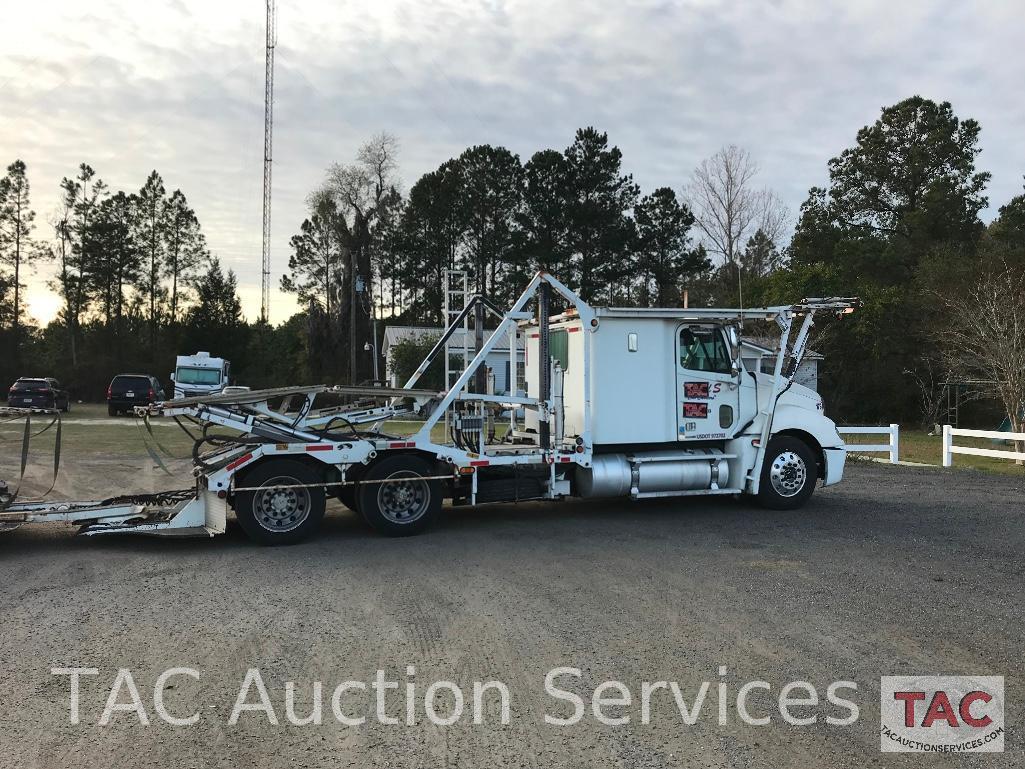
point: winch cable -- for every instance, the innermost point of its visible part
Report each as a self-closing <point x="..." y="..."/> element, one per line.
<point x="26" y="440"/>
<point x="184" y="429"/>
<point x="354" y="432"/>
<point x="149" y="429"/>
<point x="149" y="449"/>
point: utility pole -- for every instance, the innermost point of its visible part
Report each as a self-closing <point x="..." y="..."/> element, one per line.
<point x="268" y="134"/>
<point x="353" y="295"/>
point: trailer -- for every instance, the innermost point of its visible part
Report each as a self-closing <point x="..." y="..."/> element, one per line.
<point x="617" y="402"/>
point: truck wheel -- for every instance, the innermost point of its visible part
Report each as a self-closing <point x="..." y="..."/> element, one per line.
<point x="788" y="474"/>
<point x="280" y="516"/>
<point x="405" y="505"/>
<point x="347" y="495"/>
<point x="111" y="411"/>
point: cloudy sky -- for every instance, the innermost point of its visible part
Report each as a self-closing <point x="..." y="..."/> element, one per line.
<point x="130" y="86"/>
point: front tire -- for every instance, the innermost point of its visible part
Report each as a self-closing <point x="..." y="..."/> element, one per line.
<point x="407" y="504"/>
<point x="280" y="516"/>
<point x="788" y="474"/>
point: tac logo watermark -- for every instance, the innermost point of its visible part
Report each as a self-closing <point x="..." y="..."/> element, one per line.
<point x="941" y="714"/>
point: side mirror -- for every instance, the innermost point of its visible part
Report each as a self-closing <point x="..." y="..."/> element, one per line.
<point x="733" y="337"/>
<point x="172" y="376"/>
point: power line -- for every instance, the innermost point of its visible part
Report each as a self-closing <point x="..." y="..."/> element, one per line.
<point x="268" y="135"/>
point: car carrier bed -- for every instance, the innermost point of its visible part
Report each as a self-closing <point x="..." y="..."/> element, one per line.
<point x="699" y="427"/>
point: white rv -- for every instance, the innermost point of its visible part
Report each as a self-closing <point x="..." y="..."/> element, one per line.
<point x="200" y="374"/>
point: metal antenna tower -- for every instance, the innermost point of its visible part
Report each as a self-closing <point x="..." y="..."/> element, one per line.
<point x="268" y="137"/>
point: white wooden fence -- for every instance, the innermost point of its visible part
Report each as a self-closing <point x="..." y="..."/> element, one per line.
<point x="949" y="449"/>
<point x="891" y="447"/>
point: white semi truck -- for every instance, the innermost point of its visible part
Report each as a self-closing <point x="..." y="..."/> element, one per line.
<point x="632" y="403"/>
<point x="200" y="374"/>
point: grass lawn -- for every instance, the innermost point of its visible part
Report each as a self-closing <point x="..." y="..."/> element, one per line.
<point x="918" y="446"/>
<point x="89" y="432"/>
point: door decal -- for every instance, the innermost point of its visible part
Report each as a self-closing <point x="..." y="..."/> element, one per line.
<point x="695" y="410"/>
<point x="695" y="389"/>
<point x="701" y="389"/>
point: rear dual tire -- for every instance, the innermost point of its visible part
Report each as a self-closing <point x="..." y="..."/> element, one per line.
<point x="290" y="508"/>
<point x="406" y="503"/>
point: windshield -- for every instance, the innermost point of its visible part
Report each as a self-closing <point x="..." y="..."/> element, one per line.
<point x="197" y="376"/>
<point x="31" y="384"/>
<point x="130" y="383"/>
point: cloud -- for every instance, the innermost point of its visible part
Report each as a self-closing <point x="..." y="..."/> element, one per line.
<point x="129" y="87"/>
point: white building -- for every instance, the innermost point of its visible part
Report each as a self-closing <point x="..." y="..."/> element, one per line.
<point x="759" y="354"/>
<point x="497" y="360"/>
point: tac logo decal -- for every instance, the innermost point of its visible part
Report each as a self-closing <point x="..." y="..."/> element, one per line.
<point x="941" y="714"/>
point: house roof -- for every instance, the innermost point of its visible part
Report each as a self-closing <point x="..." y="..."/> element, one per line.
<point x="769" y="346"/>
<point x="396" y="334"/>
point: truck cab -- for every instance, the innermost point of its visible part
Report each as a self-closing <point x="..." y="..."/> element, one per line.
<point x="200" y="374"/>
<point x="673" y="410"/>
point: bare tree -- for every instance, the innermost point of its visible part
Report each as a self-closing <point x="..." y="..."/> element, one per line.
<point x="365" y="193"/>
<point x="724" y="200"/>
<point x="773" y="216"/>
<point x="984" y="338"/>
<point x="933" y="378"/>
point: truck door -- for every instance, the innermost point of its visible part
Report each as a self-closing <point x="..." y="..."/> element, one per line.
<point x="707" y="392"/>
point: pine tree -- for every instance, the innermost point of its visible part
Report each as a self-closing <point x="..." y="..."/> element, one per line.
<point x="17" y="248"/>
<point x="118" y="256"/>
<point x="215" y="321"/>
<point x="601" y="232"/>
<point x="316" y="264"/>
<point x="545" y="219"/>
<point x="152" y="237"/>
<point x="489" y="198"/>
<point x="184" y="248"/>
<point x="426" y="239"/>
<point x="76" y="247"/>
<point x="665" y="260"/>
<point x="760" y="255"/>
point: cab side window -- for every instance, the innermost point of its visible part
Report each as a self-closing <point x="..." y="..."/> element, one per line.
<point x="704" y="349"/>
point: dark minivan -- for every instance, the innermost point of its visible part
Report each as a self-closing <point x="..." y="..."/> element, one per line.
<point x="129" y="390"/>
<point x="38" y="393"/>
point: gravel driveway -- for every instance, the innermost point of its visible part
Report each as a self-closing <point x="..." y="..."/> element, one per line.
<point x="895" y="571"/>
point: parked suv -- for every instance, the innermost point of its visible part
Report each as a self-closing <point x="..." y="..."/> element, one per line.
<point x="40" y="393"/>
<point x="129" y="390"/>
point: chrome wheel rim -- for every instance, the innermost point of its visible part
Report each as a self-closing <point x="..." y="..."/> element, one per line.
<point x="405" y="498"/>
<point x="788" y="474"/>
<point x="280" y="510"/>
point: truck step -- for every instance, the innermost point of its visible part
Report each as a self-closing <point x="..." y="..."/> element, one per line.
<point x="510" y="489"/>
<point x="685" y="493"/>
